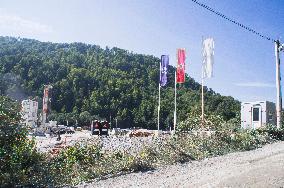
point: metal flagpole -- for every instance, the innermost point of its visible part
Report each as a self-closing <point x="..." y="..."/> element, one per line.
<point x="202" y="91"/>
<point x="175" y="112"/>
<point x="159" y="107"/>
<point x="159" y="100"/>
<point x="202" y="99"/>
<point x="278" y="89"/>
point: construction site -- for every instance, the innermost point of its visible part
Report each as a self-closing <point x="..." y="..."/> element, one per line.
<point x="51" y="137"/>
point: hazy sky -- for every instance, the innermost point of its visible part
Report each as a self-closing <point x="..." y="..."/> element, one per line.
<point x="244" y="63"/>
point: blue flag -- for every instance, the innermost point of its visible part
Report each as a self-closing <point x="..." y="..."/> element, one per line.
<point x="164" y="69"/>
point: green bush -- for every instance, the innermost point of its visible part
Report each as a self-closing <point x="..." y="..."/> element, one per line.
<point x="193" y="122"/>
<point x="273" y="132"/>
<point x="83" y="162"/>
<point x="19" y="161"/>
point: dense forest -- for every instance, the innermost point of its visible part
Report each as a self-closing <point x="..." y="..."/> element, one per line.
<point x="91" y="82"/>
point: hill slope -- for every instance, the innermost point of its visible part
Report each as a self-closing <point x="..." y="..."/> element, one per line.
<point x="90" y="81"/>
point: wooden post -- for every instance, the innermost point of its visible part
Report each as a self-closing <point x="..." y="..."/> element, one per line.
<point x="175" y="112"/>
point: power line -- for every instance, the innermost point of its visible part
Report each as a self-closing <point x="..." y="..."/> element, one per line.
<point x="233" y="21"/>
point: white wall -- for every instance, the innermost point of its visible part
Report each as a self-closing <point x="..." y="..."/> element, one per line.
<point x="267" y="110"/>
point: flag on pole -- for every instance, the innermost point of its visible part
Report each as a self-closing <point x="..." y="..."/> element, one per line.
<point x="164" y="69"/>
<point x="208" y="58"/>
<point x="180" y="66"/>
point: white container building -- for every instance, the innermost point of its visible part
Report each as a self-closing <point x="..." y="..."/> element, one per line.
<point x="257" y="114"/>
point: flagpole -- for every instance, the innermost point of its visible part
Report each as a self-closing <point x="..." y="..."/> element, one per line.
<point x="202" y="91"/>
<point x="159" y="108"/>
<point x="159" y="100"/>
<point x="202" y="100"/>
<point x="175" y="112"/>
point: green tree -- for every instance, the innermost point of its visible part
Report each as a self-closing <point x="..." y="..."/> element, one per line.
<point x="85" y="118"/>
<point x="18" y="156"/>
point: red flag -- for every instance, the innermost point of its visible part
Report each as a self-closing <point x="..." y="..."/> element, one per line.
<point x="180" y="66"/>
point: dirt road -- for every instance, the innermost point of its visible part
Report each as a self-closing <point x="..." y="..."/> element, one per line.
<point x="263" y="167"/>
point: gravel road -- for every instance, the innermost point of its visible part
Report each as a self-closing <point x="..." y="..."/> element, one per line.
<point x="263" y="167"/>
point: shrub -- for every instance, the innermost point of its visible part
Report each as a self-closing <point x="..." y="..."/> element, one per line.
<point x="193" y="122"/>
<point x="273" y="132"/>
<point x="19" y="161"/>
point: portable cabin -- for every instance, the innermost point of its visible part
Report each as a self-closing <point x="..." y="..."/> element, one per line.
<point x="257" y="114"/>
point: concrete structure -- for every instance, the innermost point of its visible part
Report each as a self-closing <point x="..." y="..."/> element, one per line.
<point x="29" y="113"/>
<point x="257" y="114"/>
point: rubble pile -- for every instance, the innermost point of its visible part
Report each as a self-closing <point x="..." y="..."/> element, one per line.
<point x="129" y="143"/>
<point x="140" y="133"/>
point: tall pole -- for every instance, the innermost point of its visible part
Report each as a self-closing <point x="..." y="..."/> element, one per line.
<point x="202" y="99"/>
<point x="159" y="99"/>
<point x="202" y="86"/>
<point x="159" y="107"/>
<point x="175" y="112"/>
<point x="278" y="85"/>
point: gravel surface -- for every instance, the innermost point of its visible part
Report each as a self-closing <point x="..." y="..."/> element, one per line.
<point x="44" y="144"/>
<point x="110" y="143"/>
<point x="263" y="167"/>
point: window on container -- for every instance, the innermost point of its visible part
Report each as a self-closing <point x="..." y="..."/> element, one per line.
<point x="255" y="116"/>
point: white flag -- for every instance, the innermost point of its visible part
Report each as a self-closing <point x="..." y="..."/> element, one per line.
<point x="208" y="58"/>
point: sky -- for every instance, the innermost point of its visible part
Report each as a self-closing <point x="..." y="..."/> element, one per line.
<point x="244" y="62"/>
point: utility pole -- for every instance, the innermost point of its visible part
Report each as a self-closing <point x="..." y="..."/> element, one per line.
<point x="278" y="48"/>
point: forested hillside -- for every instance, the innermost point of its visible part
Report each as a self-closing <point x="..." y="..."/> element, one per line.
<point x="90" y="82"/>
